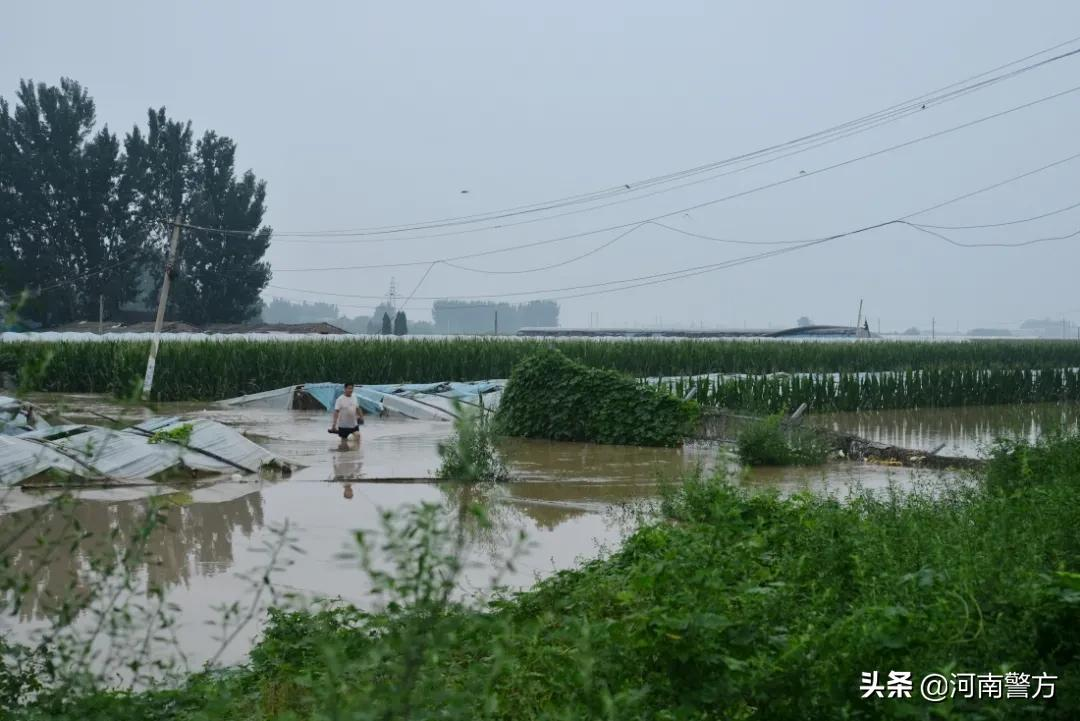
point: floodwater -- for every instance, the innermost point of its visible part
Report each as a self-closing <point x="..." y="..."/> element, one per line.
<point x="212" y="545"/>
<point x="964" y="431"/>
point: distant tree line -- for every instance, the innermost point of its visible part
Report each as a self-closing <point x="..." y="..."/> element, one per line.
<point x="85" y="213"/>
<point x="452" y="316"/>
<point x="386" y="320"/>
<point x="449" y="317"/>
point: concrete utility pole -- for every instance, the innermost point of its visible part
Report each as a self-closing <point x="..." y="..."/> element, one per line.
<point x="496" y="321"/>
<point x="933" y="329"/>
<point x="101" y="314"/>
<point x="163" y="299"/>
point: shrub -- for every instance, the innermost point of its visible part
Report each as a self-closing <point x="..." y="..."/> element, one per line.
<point x="470" y="453"/>
<point x="1019" y="463"/>
<point x="767" y="443"/>
<point x="550" y="396"/>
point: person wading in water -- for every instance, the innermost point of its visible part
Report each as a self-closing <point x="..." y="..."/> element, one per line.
<point x="348" y="416"/>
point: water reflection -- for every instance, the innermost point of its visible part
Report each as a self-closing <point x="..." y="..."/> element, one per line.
<point x="51" y="549"/>
<point x="964" y="431"/>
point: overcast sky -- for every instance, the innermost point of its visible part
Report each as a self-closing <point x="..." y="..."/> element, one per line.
<point x="361" y="114"/>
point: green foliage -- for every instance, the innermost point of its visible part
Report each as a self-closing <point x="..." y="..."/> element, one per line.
<point x="927" y="388"/>
<point x="1017" y="464"/>
<point x="401" y="324"/>
<point x="550" y="396"/>
<point x="767" y="443"/>
<point x="181" y="435"/>
<point x="921" y="374"/>
<point x="85" y="205"/>
<point x="387" y="328"/>
<point x="470" y="453"/>
<point x="735" y="605"/>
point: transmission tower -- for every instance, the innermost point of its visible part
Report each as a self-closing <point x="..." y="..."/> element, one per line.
<point x="392" y="294"/>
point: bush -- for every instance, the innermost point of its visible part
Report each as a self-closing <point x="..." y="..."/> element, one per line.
<point x="550" y="396"/>
<point x="767" y="443"/>
<point x="470" y="453"/>
<point x="1018" y="463"/>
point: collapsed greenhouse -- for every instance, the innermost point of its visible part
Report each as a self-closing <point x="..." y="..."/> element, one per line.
<point x="34" y="452"/>
<point x="417" y="401"/>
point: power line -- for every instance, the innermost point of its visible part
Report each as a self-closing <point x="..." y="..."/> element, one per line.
<point x="732" y="196"/>
<point x="697" y="270"/>
<point x="550" y="266"/>
<point x="89" y="274"/>
<point x="893" y="112"/>
<point x="1021" y="244"/>
<point x="1002" y="224"/>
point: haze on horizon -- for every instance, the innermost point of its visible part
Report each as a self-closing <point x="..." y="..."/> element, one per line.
<point x="362" y="114"/>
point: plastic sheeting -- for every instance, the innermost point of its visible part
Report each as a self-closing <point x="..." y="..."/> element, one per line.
<point x="93" y="452"/>
<point x="23" y="460"/>
<point x="420" y="401"/>
<point x="218" y="439"/>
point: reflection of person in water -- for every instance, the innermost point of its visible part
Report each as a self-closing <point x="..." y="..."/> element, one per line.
<point x="348" y="491"/>
<point x="346" y="466"/>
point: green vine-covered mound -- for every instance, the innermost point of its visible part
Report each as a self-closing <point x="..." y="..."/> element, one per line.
<point x="550" y="396"/>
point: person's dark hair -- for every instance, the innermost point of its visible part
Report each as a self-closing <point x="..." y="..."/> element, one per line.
<point x="348" y="385"/>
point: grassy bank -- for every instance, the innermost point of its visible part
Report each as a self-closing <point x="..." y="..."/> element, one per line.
<point x="731" y="606"/>
<point x="219" y="369"/>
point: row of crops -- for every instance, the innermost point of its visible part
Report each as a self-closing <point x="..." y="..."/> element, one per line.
<point x="203" y="371"/>
<point x="935" y="387"/>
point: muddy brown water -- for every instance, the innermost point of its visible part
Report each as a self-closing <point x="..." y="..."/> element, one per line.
<point x="570" y="501"/>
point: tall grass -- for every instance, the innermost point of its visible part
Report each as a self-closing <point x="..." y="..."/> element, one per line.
<point x="208" y="370"/>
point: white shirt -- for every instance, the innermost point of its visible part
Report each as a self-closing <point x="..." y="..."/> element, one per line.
<point x="347" y="407"/>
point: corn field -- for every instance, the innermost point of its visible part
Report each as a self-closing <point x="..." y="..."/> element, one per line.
<point x="224" y="368"/>
<point x="935" y="387"/>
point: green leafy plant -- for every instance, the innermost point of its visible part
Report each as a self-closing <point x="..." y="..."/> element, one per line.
<point x="470" y="453"/>
<point x="767" y="442"/>
<point x="180" y="435"/>
<point x="847" y="376"/>
<point x="550" y="396"/>
<point x="1017" y="464"/>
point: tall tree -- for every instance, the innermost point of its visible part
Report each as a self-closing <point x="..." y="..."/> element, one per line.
<point x="386" y="329"/>
<point x="84" y="217"/>
<point x="401" y="325"/>
<point x="222" y="273"/>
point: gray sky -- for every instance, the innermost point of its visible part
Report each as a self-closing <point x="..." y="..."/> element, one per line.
<point x="361" y="114"/>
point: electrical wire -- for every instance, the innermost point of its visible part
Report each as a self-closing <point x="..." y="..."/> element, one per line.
<point x="696" y="270"/>
<point x="1021" y="244"/>
<point x="1002" y="224"/>
<point x="84" y="276"/>
<point x="736" y="195"/>
<point x="550" y="266"/>
<point x="872" y="120"/>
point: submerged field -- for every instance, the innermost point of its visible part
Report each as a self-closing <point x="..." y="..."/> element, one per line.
<point x="728" y="605"/>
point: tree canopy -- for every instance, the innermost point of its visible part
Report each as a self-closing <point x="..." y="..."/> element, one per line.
<point x="85" y="215"/>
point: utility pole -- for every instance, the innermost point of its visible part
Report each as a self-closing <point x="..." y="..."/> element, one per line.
<point x="101" y="313"/>
<point x="933" y="329"/>
<point x="163" y="299"/>
<point x="496" y="321"/>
